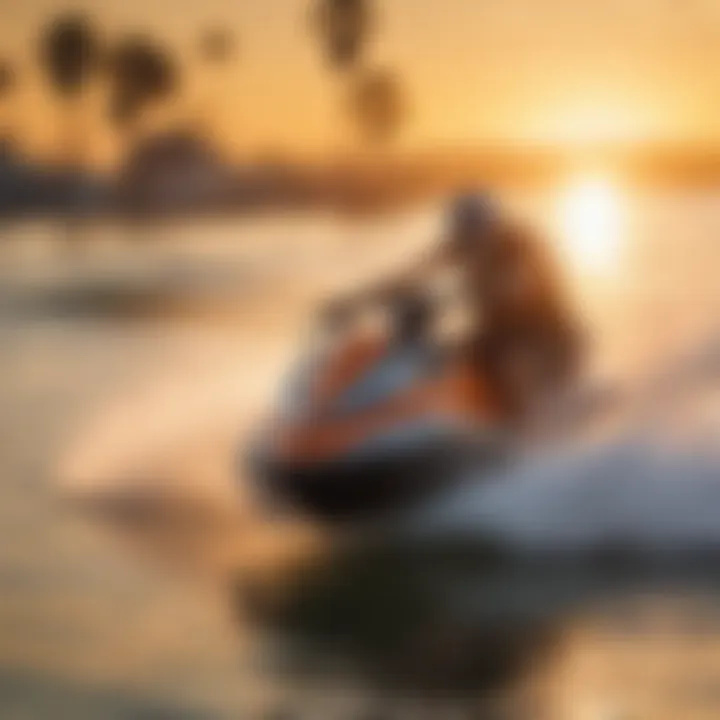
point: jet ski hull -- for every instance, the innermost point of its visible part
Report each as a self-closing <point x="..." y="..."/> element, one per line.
<point x="373" y="428"/>
<point x="352" y="488"/>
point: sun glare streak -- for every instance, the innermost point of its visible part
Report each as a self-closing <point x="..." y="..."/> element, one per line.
<point x="592" y="218"/>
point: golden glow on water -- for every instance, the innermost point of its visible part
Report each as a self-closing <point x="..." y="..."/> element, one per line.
<point x="592" y="216"/>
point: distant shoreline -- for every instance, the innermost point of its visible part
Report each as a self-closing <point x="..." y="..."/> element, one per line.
<point x="178" y="175"/>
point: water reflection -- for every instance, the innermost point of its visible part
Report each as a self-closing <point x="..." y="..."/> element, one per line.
<point x="454" y="629"/>
<point x="410" y="622"/>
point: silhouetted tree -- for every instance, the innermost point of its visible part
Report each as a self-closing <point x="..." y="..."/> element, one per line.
<point x="344" y="28"/>
<point x="70" y="52"/>
<point x="377" y="106"/>
<point x="217" y="47"/>
<point x="141" y="73"/>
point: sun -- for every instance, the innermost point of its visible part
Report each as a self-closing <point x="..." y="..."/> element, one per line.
<point x="592" y="219"/>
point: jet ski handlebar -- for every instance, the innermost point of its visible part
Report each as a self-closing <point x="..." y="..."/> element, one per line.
<point x="409" y="313"/>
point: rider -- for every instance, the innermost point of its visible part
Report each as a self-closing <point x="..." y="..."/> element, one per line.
<point x="524" y="339"/>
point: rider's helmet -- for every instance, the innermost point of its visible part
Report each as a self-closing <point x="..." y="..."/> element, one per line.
<point x="471" y="215"/>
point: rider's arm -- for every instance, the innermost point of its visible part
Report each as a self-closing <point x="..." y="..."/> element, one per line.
<point x="404" y="282"/>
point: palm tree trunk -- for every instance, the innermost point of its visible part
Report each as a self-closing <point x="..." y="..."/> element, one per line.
<point x="73" y="161"/>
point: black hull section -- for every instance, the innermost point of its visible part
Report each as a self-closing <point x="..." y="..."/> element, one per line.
<point x="361" y="488"/>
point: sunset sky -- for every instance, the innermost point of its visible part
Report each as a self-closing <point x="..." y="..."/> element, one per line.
<point x="476" y="71"/>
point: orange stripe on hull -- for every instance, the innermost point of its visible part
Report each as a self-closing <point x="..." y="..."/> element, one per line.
<point x="459" y="392"/>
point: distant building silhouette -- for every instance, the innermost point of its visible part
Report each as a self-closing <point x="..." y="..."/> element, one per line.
<point x="180" y="172"/>
<point x="175" y="171"/>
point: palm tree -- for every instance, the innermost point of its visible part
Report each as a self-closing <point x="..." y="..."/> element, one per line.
<point x="70" y="52"/>
<point x="142" y="73"/>
<point x="344" y="28"/>
<point x="217" y="47"/>
<point x="377" y="106"/>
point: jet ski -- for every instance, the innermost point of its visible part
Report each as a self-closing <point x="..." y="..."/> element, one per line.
<point x="374" y="419"/>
